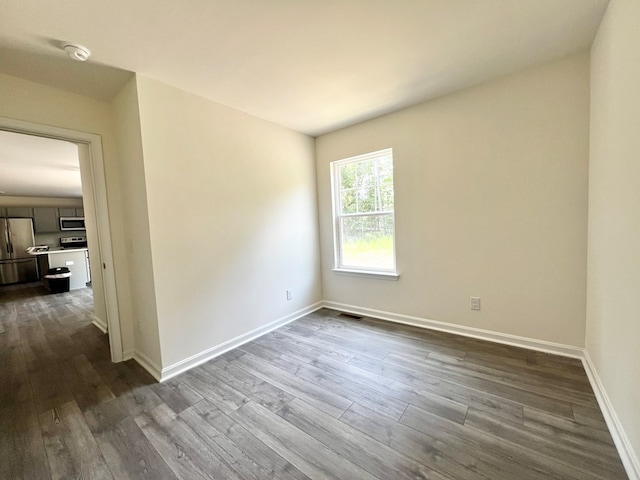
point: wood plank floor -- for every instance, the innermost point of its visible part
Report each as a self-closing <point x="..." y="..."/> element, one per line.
<point x="324" y="397"/>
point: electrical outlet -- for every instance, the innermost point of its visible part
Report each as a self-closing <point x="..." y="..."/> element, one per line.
<point x="289" y="294"/>
<point x="475" y="303"/>
<point x="68" y="263"/>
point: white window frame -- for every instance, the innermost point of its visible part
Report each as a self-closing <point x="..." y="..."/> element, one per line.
<point x="390" y="273"/>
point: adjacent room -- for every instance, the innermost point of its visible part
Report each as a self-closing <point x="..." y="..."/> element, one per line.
<point x="325" y="239"/>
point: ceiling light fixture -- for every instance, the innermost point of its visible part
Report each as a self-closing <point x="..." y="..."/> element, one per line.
<point x="76" y="51"/>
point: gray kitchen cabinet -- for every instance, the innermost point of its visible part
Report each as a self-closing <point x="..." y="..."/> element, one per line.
<point x="71" y="212"/>
<point x="45" y="220"/>
<point x="67" y="212"/>
<point x="3" y="211"/>
<point x="19" y="212"/>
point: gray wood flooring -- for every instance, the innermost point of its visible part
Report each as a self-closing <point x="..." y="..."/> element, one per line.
<point x="324" y="397"/>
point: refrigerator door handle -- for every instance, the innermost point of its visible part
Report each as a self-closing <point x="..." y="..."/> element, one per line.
<point x="7" y="240"/>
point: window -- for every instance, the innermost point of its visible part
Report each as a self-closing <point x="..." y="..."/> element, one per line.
<point x="363" y="213"/>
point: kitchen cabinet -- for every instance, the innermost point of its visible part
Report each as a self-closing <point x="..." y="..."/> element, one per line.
<point x="71" y="212"/>
<point x="67" y="212"/>
<point x="3" y="212"/>
<point x="45" y="220"/>
<point x="19" y="212"/>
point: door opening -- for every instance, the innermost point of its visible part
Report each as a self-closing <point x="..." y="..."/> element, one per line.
<point x="96" y="215"/>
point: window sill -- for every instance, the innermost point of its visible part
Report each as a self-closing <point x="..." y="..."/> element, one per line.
<point x="367" y="273"/>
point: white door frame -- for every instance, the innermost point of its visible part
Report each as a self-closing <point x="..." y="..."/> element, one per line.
<point x="98" y="190"/>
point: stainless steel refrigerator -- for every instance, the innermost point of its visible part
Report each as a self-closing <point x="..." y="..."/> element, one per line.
<point x="16" y="265"/>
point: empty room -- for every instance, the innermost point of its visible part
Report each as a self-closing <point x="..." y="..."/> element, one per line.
<point x="337" y="239"/>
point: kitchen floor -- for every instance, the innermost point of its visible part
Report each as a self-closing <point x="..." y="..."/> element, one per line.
<point x="326" y="396"/>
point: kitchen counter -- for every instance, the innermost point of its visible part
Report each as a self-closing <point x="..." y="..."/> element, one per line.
<point x="75" y="259"/>
<point x="60" y="250"/>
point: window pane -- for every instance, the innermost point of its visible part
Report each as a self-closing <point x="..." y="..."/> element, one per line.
<point x="347" y="176"/>
<point x="367" y="242"/>
<point x="366" y="186"/>
<point x="385" y="175"/>
<point x="366" y="196"/>
<point x="348" y="201"/>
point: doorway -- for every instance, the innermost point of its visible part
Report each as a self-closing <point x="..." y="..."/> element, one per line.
<point x="96" y="218"/>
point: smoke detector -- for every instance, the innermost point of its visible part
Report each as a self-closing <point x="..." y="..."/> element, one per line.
<point x="76" y="51"/>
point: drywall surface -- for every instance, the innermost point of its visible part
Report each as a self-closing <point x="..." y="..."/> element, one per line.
<point x="491" y="201"/>
<point x="36" y="103"/>
<point x="136" y="221"/>
<point x="232" y="217"/>
<point x="613" y="292"/>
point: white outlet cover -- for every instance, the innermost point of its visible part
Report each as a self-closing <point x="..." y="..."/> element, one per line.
<point x="69" y="262"/>
<point x="474" y="303"/>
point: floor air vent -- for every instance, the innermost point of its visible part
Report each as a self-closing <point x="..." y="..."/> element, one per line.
<point x="350" y="315"/>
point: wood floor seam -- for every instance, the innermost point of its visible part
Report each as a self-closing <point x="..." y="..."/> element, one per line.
<point x="323" y="397"/>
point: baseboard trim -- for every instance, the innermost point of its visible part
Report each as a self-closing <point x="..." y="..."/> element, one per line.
<point x="148" y="364"/>
<point x="202" y="357"/>
<point x="496" y="337"/>
<point x="625" y="449"/>
<point x="100" y="324"/>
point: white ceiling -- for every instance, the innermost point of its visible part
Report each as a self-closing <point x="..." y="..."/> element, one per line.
<point x="33" y="166"/>
<point x="310" y="65"/>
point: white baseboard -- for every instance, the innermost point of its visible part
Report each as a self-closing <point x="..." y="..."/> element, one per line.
<point x="202" y="357"/>
<point x="496" y="337"/>
<point x="625" y="449"/>
<point x="148" y="364"/>
<point x="100" y="324"/>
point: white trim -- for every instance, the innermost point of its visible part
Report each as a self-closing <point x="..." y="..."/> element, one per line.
<point x="89" y="148"/>
<point x="128" y="355"/>
<point x="367" y="273"/>
<point x="364" y="157"/>
<point x="148" y="364"/>
<point x="91" y="152"/>
<point x="100" y="324"/>
<point x="496" y="337"/>
<point x="367" y="214"/>
<point x="210" y="353"/>
<point x="620" y="439"/>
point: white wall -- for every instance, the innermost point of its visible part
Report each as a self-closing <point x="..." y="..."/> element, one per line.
<point x="491" y="201"/>
<point x="36" y="103"/>
<point x="613" y="292"/>
<point x="139" y="266"/>
<point x="232" y="217"/>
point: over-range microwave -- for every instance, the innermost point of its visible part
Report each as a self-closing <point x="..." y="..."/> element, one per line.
<point x="72" y="223"/>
